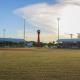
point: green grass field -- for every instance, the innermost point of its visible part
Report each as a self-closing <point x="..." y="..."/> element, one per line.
<point x="40" y="64"/>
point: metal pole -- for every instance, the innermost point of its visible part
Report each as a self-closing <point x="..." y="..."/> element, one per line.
<point x="24" y="32"/>
<point x="58" y="29"/>
<point x="24" y="29"/>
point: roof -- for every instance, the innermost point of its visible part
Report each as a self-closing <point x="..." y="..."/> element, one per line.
<point x="11" y="40"/>
<point x="69" y="40"/>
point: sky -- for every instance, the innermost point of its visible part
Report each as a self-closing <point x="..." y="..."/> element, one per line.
<point x="39" y="14"/>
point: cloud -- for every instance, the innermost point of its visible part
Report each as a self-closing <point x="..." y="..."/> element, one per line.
<point x="73" y="2"/>
<point x="40" y="15"/>
<point x="44" y="16"/>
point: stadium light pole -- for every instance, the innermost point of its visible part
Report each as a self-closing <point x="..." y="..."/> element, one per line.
<point x="58" y="19"/>
<point x="24" y="32"/>
<point x="24" y="29"/>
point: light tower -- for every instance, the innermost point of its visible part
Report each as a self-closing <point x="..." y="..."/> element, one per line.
<point x="24" y="28"/>
<point x="58" y="19"/>
<point x="58" y="26"/>
<point x="38" y="39"/>
<point x="24" y="31"/>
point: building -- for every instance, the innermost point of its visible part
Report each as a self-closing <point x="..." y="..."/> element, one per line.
<point x="68" y="43"/>
<point x="11" y="42"/>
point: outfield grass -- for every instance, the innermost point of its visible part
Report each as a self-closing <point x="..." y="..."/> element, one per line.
<point x="40" y="64"/>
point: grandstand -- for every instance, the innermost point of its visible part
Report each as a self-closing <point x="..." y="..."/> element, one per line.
<point x="11" y="42"/>
<point x="69" y="43"/>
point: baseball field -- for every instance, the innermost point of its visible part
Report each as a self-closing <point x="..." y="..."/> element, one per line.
<point x="39" y="64"/>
